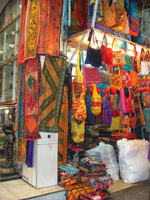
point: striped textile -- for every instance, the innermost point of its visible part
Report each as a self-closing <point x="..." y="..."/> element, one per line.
<point x="52" y="82"/>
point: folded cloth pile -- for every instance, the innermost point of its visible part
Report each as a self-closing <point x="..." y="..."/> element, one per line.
<point x="93" y="171"/>
<point x="64" y="178"/>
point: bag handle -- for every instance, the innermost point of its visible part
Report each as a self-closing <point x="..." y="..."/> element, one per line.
<point x="104" y="41"/>
<point x="92" y="35"/>
<point x="115" y="44"/>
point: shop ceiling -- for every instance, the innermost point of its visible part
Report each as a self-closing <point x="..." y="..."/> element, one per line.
<point x="2" y="4"/>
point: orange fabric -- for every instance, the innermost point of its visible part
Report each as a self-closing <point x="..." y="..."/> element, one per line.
<point x="50" y="19"/>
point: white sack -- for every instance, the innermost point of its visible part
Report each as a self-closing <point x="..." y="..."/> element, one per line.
<point x="106" y="153"/>
<point x="133" y="162"/>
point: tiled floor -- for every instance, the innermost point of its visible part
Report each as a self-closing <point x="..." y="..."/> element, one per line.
<point x="19" y="189"/>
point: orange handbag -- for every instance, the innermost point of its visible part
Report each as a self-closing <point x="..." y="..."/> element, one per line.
<point x="121" y="16"/>
<point x="109" y="14"/>
<point x="116" y="79"/>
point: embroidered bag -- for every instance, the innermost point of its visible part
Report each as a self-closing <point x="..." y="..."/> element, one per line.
<point x="126" y="79"/>
<point x="116" y="79"/>
<point x="109" y="14"/>
<point x="96" y="101"/>
<point x="78" y="80"/>
<point x="105" y="77"/>
<point x="134" y="81"/>
<point x="107" y="56"/>
<point x="120" y="17"/>
<point x="129" y="63"/>
<point x="118" y="56"/>
<point x="134" y="18"/>
<point x="93" y="56"/>
<point x="143" y="85"/>
<point x="78" y="104"/>
<point x="126" y="29"/>
<point x="91" y="75"/>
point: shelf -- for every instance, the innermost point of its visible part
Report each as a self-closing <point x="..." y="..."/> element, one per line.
<point x="74" y="40"/>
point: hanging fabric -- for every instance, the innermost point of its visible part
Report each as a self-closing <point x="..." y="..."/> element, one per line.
<point x="32" y="74"/>
<point x="63" y="129"/>
<point x="52" y="82"/>
<point x="20" y="103"/>
<point x="50" y="20"/>
<point x="40" y="30"/>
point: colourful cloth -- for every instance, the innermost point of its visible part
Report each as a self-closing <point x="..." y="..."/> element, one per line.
<point x="21" y="57"/>
<point x="52" y="82"/>
<point x="32" y="73"/>
<point x="63" y="129"/>
<point x="32" y="28"/>
<point x="50" y="18"/>
<point x="40" y="29"/>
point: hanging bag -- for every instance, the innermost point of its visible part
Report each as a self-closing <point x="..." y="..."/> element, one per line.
<point x="121" y="15"/>
<point x="91" y="75"/>
<point x="78" y="80"/>
<point x="118" y="56"/>
<point x="78" y="104"/>
<point x="129" y="63"/>
<point x="126" y="78"/>
<point x="109" y="13"/>
<point x="134" y="19"/>
<point x="105" y="77"/>
<point x="96" y="102"/>
<point x="94" y="55"/>
<point x="107" y="56"/>
<point x="115" y="78"/>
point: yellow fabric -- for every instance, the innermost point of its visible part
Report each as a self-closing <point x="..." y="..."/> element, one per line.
<point x="77" y="130"/>
<point x="115" y="123"/>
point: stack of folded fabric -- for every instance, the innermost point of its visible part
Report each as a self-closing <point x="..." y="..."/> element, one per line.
<point x="93" y="171"/>
<point x="67" y="174"/>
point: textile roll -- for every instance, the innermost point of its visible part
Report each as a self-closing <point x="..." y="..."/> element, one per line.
<point x="52" y="82"/>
